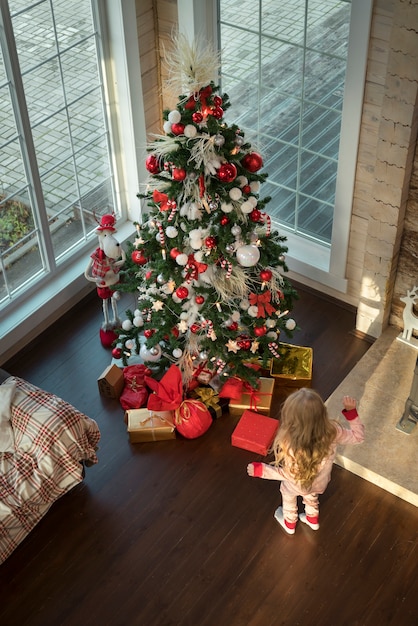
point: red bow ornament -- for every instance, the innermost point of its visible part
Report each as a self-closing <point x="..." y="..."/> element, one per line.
<point x="262" y="301"/>
<point x="163" y="200"/>
<point x="194" y="268"/>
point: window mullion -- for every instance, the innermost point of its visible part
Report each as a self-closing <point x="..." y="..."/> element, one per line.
<point x="18" y="99"/>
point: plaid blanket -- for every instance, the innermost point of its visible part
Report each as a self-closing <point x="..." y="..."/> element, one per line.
<point x="52" y="439"/>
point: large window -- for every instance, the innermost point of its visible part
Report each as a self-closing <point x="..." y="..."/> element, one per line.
<point x="57" y="173"/>
<point x="286" y="67"/>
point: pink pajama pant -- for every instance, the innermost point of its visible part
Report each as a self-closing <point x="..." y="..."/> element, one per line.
<point x="290" y="503"/>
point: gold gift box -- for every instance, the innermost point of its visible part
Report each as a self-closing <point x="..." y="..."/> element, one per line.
<point x="259" y="400"/>
<point x="294" y="368"/>
<point x="143" y="425"/>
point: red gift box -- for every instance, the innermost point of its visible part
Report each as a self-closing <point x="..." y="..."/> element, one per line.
<point x="255" y="432"/>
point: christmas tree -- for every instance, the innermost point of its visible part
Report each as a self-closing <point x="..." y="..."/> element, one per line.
<point x="206" y="263"/>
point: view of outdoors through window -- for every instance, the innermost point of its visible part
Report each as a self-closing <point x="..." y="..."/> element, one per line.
<point x="56" y="170"/>
<point x="283" y="67"/>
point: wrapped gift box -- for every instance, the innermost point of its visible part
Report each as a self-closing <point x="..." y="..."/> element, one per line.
<point x="111" y="382"/>
<point x="255" y="432"/>
<point x="294" y="367"/>
<point x="211" y="400"/>
<point x="144" y="425"/>
<point x="258" y="400"/>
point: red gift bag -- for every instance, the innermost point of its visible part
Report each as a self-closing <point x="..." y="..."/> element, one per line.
<point x="135" y="393"/>
<point x="192" y="419"/>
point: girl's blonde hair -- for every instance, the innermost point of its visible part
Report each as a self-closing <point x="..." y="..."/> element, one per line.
<point x="305" y="436"/>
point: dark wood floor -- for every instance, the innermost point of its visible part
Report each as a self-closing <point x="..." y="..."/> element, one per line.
<point x="176" y="533"/>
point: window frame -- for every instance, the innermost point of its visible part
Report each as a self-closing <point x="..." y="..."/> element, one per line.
<point x="306" y="259"/>
<point x="64" y="285"/>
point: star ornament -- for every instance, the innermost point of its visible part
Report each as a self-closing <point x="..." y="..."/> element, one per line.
<point x="232" y="346"/>
<point x="182" y="326"/>
<point x="254" y="346"/>
<point x="158" y="305"/>
<point x="139" y="241"/>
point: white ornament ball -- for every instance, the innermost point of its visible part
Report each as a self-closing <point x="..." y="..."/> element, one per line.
<point x="196" y="244"/>
<point x="171" y="232"/>
<point x="181" y="259"/>
<point x="248" y="256"/>
<point x="190" y="131"/>
<point x="272" y="335"/>
<point x="244" y="304"/>
<point x="270" y="323"/>
<point x="236" y="230"/>
<point x="177" y="352"/>
<point x="174" y="117"/>
<point x="252" y="311"/>
<point x="241" y="181"/>
<point x="253" y="201"/>
<point x="246" y="207"/>
<point x="290" y="324"/>
<point x="236" y="316"/>
<point x="219" y="140"/>
<point x="255" y="186"/>
<point x="198" y="256"/>
<point x="184" y="315"/>
<point x="167" y="127"/>
<point x="150" y="354"/>
<point x="235" y="193"/>
<point x="138" y="321"/>
<point x="126" y="325"/>
<point x="226" y="207"/>
<point x="129" y="344"/>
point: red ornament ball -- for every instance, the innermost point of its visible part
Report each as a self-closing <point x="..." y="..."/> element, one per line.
<point x="148" y="332"/>
<point x="199" y="299"/>
<point x="217" y="113"/>
<point x="217" y="101"/>
<point x="233" y="326"/>
<point x="224" y="220"/>
<point x="197" y="117"/>
<point x="178" y="173"/>
<point x="194" y="328"/>
<point x="210" y="242"/>
<point x="246" y="189"/>
<point x="266" y="275"/>
<point x="177" y="129"/>
<point x="175" y="331"/>
<point x="227" y="172"/>
<point x="117" y="353"/>
<point x="259" y="331"/>
<point x="174" y="252"/>
<point x="182" y="292"/>
<point x="148" y="275"/>
<point x="252" y="162"/>
<point x="138" y="257"/>
<point x="152" y="164"/>
<point x="244" y="344"/>
<point x="255" y="215"/>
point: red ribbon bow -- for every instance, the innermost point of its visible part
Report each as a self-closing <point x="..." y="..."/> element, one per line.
<point x="163" y="200"/>
<point x="194" y="268"/>
<point x="262" y="301"/>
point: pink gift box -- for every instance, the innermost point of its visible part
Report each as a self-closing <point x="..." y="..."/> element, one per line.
<point x="255" y="432"/>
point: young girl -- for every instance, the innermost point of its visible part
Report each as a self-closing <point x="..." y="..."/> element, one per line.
<point x="304" y="450"/>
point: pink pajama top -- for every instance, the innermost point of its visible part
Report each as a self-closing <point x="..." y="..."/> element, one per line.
<point x="352" y="435"/>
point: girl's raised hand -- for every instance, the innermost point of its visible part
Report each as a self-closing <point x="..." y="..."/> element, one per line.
<point x="349" y="403"/>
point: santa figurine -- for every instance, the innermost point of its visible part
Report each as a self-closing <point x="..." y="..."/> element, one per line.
<point x="103" y="269"/>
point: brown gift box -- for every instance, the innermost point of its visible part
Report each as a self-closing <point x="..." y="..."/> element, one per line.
<point x="111" y="382"/>
<point x="294" y="368"/>
<point x="144" y="425"/>
<point x="258" y="400"/>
